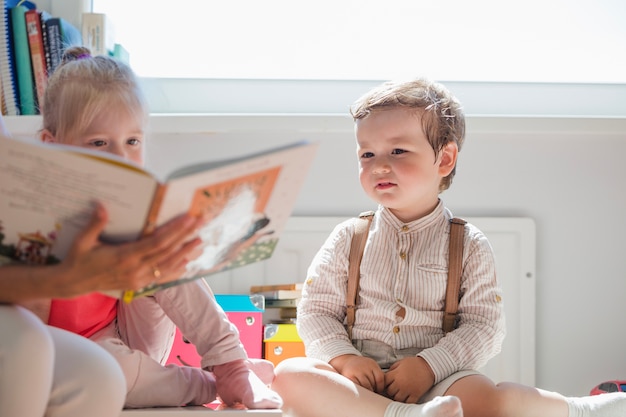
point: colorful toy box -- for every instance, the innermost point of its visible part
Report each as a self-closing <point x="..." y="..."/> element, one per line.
<point x="281" y="341"/>
<point x="245" y="312"/>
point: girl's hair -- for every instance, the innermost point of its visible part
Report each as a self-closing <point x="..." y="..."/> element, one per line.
<point x="442" y="117"/>
<point x="84" y="86"/>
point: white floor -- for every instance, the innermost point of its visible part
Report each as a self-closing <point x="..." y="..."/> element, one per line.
<point x="197" y="411"/>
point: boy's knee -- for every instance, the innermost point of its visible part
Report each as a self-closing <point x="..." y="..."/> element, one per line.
<point x="295" y="365"/>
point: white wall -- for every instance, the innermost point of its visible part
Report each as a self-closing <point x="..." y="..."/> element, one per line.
<point x="565" y="173"/>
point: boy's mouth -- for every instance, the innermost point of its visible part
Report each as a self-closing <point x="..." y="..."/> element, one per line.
<point x="384" y="185"/>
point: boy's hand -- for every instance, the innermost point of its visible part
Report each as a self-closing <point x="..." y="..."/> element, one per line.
<point x="408" y="380"/>
<point x="360" y="370"/>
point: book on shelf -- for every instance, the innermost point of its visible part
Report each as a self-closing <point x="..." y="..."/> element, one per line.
<point x="23" y="66"/>
<point x="8" y="77"/>
<point x="53" y="41"/>
<point x="279" y="294"/>
<point x="286" y="303"/>
<point x="98" y="33"/>
<point x="274" y="287"/>
<point x="37" y="54"/>
<point x="47" y="195"/>
<point x="70" y="34"/>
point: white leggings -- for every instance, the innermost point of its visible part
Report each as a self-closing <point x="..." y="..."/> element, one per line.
<point x="45" y="371"/>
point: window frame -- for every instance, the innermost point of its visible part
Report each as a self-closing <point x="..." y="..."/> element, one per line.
<point x="249" y="96"/>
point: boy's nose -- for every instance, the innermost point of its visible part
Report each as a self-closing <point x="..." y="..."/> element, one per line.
<point x="382" y="168"/>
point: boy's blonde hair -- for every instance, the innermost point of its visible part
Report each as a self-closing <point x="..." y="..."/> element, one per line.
<point x="84" y="86"/>
<point x="443" y="119"/>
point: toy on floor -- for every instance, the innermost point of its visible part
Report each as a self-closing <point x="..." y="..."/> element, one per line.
<point x="615" y="385"/>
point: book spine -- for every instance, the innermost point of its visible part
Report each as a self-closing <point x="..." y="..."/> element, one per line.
<point x="54" y="43"/>
<point x="97" y="33"/>
<point x="25" y="83"/>
<point x="153" y="213"/>
<point x="275" y="287"/>
<point x="7" y="67"/>
<point x="37" y="54"/>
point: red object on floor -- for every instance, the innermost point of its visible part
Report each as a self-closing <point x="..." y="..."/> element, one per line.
<point x="616" y="385"/>
<point x="245" y="312"/>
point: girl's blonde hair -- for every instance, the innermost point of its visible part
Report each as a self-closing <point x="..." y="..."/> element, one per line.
<point x="443" y="119"/>
<point x="84" y="86"/>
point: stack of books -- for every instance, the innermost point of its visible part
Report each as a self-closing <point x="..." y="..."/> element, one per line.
<point x="31" y="46"/>
<point x="32" y="43"/>
<point x="281" y="301"/>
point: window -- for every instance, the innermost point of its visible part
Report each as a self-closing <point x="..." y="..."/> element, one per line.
<point x="340" y="43"/>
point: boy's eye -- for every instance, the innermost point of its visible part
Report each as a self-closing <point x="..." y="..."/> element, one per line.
<point x="133" y="141"/>
<point x="367" y="155"/>
<point x="98" y="143"/>
<point x="397" y="151"/>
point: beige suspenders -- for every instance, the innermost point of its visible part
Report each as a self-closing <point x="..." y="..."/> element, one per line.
<point x="455" y="260"/>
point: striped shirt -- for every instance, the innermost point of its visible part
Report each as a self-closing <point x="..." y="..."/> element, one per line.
<point x="405" y="266"/>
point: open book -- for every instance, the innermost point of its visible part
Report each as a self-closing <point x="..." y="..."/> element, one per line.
<point x="47" y="195"/>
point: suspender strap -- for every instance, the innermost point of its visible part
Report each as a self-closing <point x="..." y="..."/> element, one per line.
<point x="455" y="269"/>
<point x="362" y="227"/>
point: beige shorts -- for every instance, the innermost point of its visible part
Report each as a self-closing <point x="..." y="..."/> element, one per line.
<point x="385" y="356"/>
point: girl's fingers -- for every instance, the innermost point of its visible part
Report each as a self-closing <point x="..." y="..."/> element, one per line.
<point x="88" y="237"/>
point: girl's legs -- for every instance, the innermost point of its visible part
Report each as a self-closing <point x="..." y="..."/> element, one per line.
<point x="44" y="370"/>
<point x="149" y="383"/>
<point x="312" y="388"/>
<point x="148" y="324"/>
<point x="482" y="398"/>
<point x="193" y="309"/>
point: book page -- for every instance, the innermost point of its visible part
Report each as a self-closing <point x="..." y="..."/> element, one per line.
<point x="247" y="203"/>
<point x="47" y="196"/>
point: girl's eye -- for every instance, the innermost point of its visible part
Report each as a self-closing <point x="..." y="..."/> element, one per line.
<point x="366" y="155"/>
<point x="397" y="151"/>
<point x="98" y="143"/>
<point x="133" y="141"/>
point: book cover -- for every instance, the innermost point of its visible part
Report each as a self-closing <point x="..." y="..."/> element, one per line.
<point x="47" y="193"/>
<point x="37" y="54"/>
<point x="23" y="66"/>
<point x="274" y="287"/>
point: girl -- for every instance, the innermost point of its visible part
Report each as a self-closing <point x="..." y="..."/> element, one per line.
<point x="96" y="102"/>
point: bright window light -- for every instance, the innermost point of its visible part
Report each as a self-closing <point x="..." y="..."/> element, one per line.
<point x="455" y="40"/>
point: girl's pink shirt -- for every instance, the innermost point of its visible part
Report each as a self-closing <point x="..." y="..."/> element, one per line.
<point x="84" y="315"/>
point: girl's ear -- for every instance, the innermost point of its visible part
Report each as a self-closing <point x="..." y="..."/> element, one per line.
<point x="47" y="136"/>
<point x="447" y="159"/>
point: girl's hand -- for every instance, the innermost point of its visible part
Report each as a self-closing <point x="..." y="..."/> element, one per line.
<point x="160" y="257"/>
<point x="360" y="370"/>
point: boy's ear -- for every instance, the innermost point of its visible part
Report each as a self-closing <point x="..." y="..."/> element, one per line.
<point x="447" y="160"/>
<point x="47" y="136"/>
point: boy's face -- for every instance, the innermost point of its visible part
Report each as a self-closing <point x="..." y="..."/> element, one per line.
<point x="397" y="165"/>
<point x="119" y="133"/>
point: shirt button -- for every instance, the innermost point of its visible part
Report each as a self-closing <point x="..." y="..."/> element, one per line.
<point x="405" y="228"/>
<point x="396" y="329"/>
<point x="403" y="255"/>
